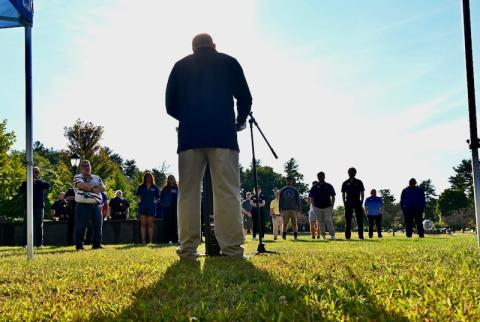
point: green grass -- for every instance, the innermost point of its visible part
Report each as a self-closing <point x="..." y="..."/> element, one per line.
<point x="437" y="278"/>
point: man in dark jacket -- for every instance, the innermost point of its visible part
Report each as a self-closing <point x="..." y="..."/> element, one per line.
<point x="40" y="187"/>
<point x="200" y="95"/>
<point x="289" y="204"/>
<point x="412" y="202"/>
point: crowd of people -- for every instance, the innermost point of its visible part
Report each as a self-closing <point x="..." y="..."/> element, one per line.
<point x="85" y="207"/>
<point x="286" y="208"/>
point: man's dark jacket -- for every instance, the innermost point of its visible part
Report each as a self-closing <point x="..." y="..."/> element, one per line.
<point x="200" y="93"/>
<point x="412" y="198"/>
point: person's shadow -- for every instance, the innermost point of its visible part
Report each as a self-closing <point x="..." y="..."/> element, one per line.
<point x="235" y="290"/>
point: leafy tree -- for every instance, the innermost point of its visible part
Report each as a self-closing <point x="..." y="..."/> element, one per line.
<point x="161" y="175"/>
<point x="84" y="138"/>
<point x="291" y="168"/>
<point x="268" y="180"/>
<point x="130" y="168"/>
<point x="387" y="196"/>
<point x="461" y="218"/>
<point x="462" y="180"/>
<point x="114" y="157"/>
<point x="431" y="201"/>
<point x="449" y="201"/>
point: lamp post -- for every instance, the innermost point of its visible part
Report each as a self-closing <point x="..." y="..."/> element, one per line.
<point x="74" y="162"/>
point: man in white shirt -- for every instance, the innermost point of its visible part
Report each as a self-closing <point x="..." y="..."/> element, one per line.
<point x="88" y="196"/>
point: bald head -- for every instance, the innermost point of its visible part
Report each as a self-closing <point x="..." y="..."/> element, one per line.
<point x="202" y="40"/>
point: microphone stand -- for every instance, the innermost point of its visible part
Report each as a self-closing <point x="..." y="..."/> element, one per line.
<point x="261" y="246"/>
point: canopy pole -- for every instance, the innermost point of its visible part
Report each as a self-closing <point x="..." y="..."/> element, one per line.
<point x="29" y="138"/>
<point x="472" y="111"/>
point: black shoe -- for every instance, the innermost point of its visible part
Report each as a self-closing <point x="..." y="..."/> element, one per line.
<point x="79" y="248"/>
<point x="313" y="237"/>
<point x="380" y="236"/>
<point x="97" y="247"/>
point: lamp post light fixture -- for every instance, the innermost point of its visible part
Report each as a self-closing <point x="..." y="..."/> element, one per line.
<point x="74" y="161"/>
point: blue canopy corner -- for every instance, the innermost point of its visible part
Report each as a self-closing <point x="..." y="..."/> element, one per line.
<point x="16" y="13"/>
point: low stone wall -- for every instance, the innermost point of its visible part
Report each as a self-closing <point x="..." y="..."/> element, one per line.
<point x="55" y="233"/>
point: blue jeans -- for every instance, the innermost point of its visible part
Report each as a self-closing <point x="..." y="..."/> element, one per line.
<point x="84" y="214"/>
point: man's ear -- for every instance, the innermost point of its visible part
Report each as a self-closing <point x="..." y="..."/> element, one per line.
<point x="214" y="46"/>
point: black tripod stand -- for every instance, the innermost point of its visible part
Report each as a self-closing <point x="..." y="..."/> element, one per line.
<point x="261" y="246"/>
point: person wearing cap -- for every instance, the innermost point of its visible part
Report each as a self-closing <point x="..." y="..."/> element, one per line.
<point x="200" y="94"/>
<point x="412" y="202"/>
<point x="289" y="204"/>
<point x="353" y="193"/>
<point x="39" y="189"/>
<point x="374" y="211"/>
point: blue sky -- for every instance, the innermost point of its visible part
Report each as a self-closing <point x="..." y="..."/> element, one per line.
<point x="379" y="85"/>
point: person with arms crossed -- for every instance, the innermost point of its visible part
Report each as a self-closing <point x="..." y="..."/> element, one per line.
<point x="39" y="188"/>
<point x="258" y="204"/>
<point x="88" y="197"/>
<point x="247" y="214"/>
<point x="200" y="95"/>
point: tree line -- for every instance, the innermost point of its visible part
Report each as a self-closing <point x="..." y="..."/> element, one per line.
<point x="453" y="207"/>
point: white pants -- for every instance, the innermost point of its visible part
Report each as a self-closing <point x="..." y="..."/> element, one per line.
<point x="277" y="222"/>
<point x="325" y="218"/>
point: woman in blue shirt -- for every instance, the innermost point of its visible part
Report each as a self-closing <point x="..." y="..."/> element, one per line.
<point x="169" y="209"/>
<point x="147" y="196"/>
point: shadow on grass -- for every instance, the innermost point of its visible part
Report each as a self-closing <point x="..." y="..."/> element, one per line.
<point x="236" y="290"/>
<point x="223" y="289"/>
<point x="129" y="246"/>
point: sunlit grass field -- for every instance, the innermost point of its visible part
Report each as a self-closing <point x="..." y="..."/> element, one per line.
<point x="393" y="279"/>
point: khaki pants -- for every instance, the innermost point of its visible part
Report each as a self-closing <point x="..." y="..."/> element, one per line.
<point x="277" y="222"/>
<point x="325" y="218"/>
<point x="224" y="169"/>
<point x="290" y="215"/>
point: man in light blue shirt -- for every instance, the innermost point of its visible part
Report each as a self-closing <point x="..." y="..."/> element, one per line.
<point x="374" y="211"/>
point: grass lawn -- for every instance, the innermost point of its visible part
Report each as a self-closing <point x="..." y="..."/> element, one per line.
<point x="437" y="278"/>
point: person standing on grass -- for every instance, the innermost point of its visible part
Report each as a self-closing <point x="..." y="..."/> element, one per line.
<point x="200" y="94"/>
<point x="147" y="197"/>
<point x="39" y="189"/>
<point x="168" y="201"/>
<point x="289" y="204"/>
<point x="257" y="213"/>
<point x="323" y="196"/>
<point x="277" y="220"/>
<point x="374" y="211"/>
<point x="353" y="193"/>
<point x="247" y="214"/>
<point x="71" y="205"/>
<point x="88" y="196"/>
<point x="412" y="202"/>
<point x="312" y="218"/>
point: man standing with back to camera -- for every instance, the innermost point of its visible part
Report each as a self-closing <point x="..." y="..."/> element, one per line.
<point x="199" y="94"/>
